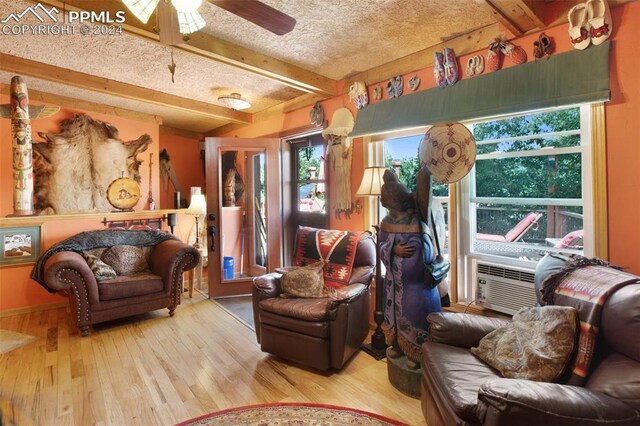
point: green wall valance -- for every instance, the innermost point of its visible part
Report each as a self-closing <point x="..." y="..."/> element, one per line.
<point x="569" y="78"/>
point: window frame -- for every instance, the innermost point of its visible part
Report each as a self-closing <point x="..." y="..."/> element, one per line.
<point x="592" y="130"/>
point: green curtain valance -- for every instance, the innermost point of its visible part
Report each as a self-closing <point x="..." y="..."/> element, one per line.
<point x="569" y="78"/>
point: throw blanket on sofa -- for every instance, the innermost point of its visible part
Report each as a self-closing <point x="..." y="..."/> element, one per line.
<point x="585" y="288"/>
<point x="96" y="239"/>
<point x="336" y="248"/>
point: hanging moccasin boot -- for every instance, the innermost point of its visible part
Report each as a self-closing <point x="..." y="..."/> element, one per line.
<point x="599" y="20"/>
<point x="578" y="31"/>
<point x="493" y="61"/>
<point x="450" y="66"/>
<point x="438" y="69"/>
<point x="515" y="53"/>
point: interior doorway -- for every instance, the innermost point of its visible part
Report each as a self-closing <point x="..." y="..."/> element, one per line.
<point x="243" y="212"/>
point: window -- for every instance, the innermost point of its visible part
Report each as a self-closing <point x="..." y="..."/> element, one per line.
<point x="530" y="192"/>
<point x="309" y="175"/>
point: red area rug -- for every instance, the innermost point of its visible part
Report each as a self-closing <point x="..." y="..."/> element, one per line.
<point x="298" y="414"/>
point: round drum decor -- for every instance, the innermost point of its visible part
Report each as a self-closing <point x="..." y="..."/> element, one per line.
<point x="448" y="151"/>
<point x="123" y="193"/>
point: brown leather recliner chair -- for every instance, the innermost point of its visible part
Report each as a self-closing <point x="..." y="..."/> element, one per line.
<point x="63" y="268"/>
<point x="460" y="389"/>
<point x="321" y="333"/>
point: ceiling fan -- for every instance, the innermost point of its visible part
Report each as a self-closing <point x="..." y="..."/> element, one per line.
<point x="190" y="20"/>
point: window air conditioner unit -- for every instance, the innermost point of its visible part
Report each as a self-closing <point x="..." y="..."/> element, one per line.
<point x="504" y="289"/>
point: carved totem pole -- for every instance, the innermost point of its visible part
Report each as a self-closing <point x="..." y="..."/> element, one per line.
<point x="18" y="112"/>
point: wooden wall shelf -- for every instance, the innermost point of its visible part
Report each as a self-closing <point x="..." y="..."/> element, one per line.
<point x="137" y="214"/>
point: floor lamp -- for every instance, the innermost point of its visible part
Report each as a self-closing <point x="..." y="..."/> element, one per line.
<point x="197" y="208"/>
<point x="371" y="186"/>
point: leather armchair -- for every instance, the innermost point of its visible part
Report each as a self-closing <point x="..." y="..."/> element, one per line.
<point x="92" y="302"/>
<point x="321" y="333"/>
<point x="460" y="389"/>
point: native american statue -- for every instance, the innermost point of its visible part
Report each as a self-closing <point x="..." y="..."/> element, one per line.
<point x="74" y="168"/>
<point x="18" y="111"/>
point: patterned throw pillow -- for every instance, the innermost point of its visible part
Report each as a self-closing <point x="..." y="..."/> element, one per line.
<point x="101" y="270"/>
<point x="304" y="281"/>
<point x="125" y="260"/>
<point x="537" y="345"/>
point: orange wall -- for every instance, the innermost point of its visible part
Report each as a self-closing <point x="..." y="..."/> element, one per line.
<point x="128" y="130"/>
<point x="623" y="156"/>
<point x="17" y="290"/>
<point x="622" y="122"/>
<point x="184" y="154"/>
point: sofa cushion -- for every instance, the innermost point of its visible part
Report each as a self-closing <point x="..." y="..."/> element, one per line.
<point x="617" y="376"/>
<point x="130" y="286"/>
<point x="455" y="375"/>
<point x="304" y="281"/>
<point x="305" y="309"/>
<point x="100" y="270"/>
<point x="537" y="344"/>
<point x="125" y="260"/>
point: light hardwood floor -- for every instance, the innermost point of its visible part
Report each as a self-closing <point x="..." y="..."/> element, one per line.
<point x="152" y="369"/>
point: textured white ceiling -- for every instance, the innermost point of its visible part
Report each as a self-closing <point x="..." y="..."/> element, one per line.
<point x="337" y="37"/>
<point x="332" y="38"/>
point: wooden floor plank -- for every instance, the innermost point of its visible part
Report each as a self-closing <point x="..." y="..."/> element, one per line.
<point x="153" y="369"/>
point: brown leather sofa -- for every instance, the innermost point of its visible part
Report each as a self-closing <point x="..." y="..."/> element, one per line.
<point x="460" y="389"/>
<point x="321" y="333"/>
<point x="92" y="302"/>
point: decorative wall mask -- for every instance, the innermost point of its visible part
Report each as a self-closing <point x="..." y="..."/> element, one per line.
<point x="74" y="168"/>
<point x="317" y="114"/>
<point x="358" y="94"/>
<point x="414" y="83"/>
<point x="20" y="114"/>
<point x="377" y="92"/>
<point x="448" y="151"/>
<point x="339" y="152"/>
<point x="394" y="87"/>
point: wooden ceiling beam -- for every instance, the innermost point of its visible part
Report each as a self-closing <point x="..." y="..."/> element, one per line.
<point x="69" y="77"/>
<point x="206" y="45"/>
<point x="503" y="18"/>
<point x="73" y="103"/>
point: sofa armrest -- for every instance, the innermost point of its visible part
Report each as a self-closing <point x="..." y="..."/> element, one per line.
<point x="461" y="330"/>
<point x="68" y="271"/>
<point x="347" y="294"/>
<point x="524" y="402"/>
<point x="170" y="259"/>
<point x="268" y="285"/>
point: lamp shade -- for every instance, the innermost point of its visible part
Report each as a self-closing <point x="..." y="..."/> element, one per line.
<point x="371" y="184"/>
<point x="198" y="206"/>
<point x="141" y="9"/>
<point x="190" y="22"/>
<point x="234" y="101"/>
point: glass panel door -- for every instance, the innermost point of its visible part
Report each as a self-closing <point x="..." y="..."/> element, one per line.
<point x="243" y="213"/>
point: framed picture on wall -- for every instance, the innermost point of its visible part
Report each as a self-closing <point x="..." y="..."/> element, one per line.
<point x="20" y="245"/>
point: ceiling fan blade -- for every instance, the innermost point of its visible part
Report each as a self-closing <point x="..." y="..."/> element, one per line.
<point x="259" y="13"/>
<point x="168" y="25"/>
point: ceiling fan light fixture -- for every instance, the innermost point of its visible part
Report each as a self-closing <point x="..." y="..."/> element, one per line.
<point x="234" y="101"/>
<point x="141" y="9"/>
<point x="190" y="22"/>
<point x="186" y="6"/>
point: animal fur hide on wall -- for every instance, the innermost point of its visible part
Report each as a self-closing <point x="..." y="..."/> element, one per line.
<point x="74" y="168"/>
